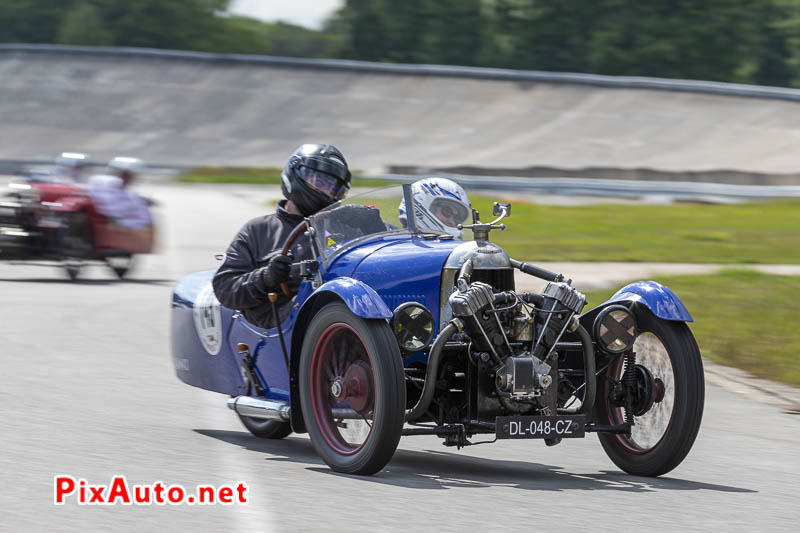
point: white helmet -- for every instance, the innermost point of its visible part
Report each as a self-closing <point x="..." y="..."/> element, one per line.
<point x="72" y="159"/>
<point x="127" y="164"/>
<point x="440" y="204"/>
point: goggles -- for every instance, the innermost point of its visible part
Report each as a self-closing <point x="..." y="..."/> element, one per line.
<point x="448" y="212"/>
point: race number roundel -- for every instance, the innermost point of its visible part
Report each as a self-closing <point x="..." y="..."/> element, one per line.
<point x="207" y="320"/>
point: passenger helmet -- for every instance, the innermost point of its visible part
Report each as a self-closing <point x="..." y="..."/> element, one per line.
<point x="133" y="165"/>
<point x="315" y="176"/>
<point x="72" y="159"/>
<point x="126" y="167"/>
<point x="440" y="204"/>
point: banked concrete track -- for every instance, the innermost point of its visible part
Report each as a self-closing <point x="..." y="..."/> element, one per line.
<point x="202" y="109"/>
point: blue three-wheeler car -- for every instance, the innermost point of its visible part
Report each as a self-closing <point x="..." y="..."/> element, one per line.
<point x="406" y="331"/>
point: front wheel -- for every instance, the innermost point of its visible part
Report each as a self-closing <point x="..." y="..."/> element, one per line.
<point x="670" y="391"/>
<point x="352" y="390"/>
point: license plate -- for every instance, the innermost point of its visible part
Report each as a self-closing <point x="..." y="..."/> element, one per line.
<point x="540" y="427"/>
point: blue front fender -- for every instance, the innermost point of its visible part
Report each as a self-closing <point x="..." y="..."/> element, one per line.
<point x="362" y="301"/>
<point x="359" y="297"/>
<point x="661" y="301"/>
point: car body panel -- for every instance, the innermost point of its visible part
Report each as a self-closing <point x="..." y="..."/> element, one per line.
<point x="372" y="277"/>
<point x="407" y="270"/>
<point x="658" y="298"/>
<point x="196" y="315"/>
<point x="386" y="271"/>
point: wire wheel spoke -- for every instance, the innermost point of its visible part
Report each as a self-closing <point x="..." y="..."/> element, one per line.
<point x="650" y="427"/>
<point x="343" y="398"/>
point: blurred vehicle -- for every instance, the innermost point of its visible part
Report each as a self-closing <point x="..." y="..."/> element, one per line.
<point x="408" y="331"/>
<point x="58" y="220"/>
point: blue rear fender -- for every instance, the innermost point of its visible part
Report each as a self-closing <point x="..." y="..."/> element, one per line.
<point x="362" y="301"/>
<point x="658" y="298"/>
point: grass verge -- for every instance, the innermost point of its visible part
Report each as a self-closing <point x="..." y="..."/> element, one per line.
<point x="256" y="176"/>
<point x="742" y="318"/>
<point x="757" y="232"/>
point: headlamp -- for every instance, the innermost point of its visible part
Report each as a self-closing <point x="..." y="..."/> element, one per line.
<point x="615" y="329"/>
<point x="413" y="327"/>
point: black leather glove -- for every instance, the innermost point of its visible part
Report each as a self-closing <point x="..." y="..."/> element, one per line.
<point x="275" y="272"/>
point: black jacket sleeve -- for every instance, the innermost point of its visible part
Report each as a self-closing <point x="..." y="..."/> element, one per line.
<point x="236" y="283"/>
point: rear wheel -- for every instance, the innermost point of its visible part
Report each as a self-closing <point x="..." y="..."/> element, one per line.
<point x="669" y="398"/>
<point x="73" y="268"/>
<point x="352" y="390"/>
<point x="263" y="428"/>
<point x="120" y="264"/>
<point x="266" y="429"/>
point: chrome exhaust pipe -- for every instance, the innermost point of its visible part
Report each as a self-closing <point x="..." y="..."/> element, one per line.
<point x="264" y="409"/>
<point x="260" y="408"/>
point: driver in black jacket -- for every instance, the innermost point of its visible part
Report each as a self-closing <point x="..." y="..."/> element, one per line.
<point x="315" y="176"/>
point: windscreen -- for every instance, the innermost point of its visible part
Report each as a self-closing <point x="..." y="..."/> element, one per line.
<point x="358" y="216"/>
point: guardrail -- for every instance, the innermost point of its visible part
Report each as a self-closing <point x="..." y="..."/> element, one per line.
<point x="683" y="190"/>
<point x="712" y="192"/>
<point x="20" y="166"/>
<point x="595" y="80"/>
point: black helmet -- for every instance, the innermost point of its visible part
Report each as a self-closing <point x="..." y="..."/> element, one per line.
<point x="315" y="176"/>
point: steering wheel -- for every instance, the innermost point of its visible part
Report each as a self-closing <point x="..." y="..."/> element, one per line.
<point x="296" y="232"/>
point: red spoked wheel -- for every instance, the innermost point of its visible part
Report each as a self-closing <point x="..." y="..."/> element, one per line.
<point x="669" y="397"/>
<point x="352" y="390"/>
<point x="342" y="389"/>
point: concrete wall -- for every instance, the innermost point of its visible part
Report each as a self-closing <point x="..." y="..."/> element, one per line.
<point x="184" y="110"/>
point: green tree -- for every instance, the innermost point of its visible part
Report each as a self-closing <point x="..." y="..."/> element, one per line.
<point x="773" y="59"/>
<point x="504" y="20"/>
<point x="176" y="24"/>
<point x="31" y="21"/>
<point x="751" y="41"/>
<point x="282" y="39"/>
<point x="83" y="25"/>
<point x="364" y="30"/>
<point x="405" y="25"/>
<point x="705" y="39"/>
<point x="454" y="34"/>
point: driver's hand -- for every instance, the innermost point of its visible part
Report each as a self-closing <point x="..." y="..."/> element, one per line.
<point x="275" y="272"/>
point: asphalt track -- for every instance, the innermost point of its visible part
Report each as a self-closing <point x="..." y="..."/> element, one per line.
<point x="87" y="389"/>
<point x="179" y="111"/>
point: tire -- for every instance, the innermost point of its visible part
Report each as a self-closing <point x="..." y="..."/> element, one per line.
<point x="663" y="435"/>
<point x="73" y="269"/>
<point x="121" y="265"/>
<point x="266" y="429"/>
<point x="358" y="360"/>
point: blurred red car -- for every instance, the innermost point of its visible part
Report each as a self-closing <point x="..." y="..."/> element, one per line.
<point x="59" y="221"/>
